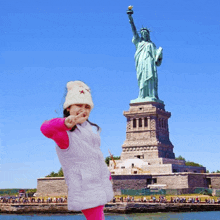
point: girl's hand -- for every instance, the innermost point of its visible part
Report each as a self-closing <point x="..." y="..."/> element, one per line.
<point x="72" y="120"/>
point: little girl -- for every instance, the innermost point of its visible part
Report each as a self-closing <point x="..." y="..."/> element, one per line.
<point x="78" y="149"/>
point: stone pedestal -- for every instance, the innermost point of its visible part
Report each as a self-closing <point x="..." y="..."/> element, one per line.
<point x="147" y="133"/>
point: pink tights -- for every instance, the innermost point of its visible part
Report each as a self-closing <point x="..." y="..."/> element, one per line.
<point x="94" y="213"/>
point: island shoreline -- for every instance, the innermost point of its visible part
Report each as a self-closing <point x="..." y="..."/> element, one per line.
<point x="111" y="208"/>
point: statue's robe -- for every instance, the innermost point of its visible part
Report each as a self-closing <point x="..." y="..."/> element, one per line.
<point x="147" y="57"/>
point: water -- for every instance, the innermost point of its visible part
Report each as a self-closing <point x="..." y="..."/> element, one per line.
<point x="214" y="215"/>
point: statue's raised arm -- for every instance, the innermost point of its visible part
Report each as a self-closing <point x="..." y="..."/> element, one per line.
<point x="131" y="20"/>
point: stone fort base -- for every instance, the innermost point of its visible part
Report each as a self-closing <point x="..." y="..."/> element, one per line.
<point x="178" y="183"/>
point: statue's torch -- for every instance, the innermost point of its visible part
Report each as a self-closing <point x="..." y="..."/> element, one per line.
<point x="130" y="11"/>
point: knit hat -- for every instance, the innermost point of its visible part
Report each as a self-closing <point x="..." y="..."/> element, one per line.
<point x="77" y="93"/>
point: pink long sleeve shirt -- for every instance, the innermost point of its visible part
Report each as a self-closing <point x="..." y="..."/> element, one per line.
<point x="56" y="130"/>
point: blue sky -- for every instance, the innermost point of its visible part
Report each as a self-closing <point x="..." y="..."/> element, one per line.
<point x="45" y="44"/>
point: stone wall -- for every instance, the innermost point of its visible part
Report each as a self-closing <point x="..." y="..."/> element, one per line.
<point x="52" y="186"/>
<point x="173" y="181"/>
<point x="189" y="169"/>
<point x="132" y="152"/>
<point x="197" y="180"/>
<point x="181" y="182"/>
<point x="187" y="182"/>
<point x="159" y="169"/>
<point x="172" y="161"/>
<point x="215" y="180"/>
<point x="129" y="181"/>
<point x="122" y="208"/>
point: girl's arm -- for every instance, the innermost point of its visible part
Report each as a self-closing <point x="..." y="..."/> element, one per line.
<point x="56" y="130"/>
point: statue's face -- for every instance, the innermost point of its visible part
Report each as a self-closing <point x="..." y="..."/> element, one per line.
<point x="145" y="35"/>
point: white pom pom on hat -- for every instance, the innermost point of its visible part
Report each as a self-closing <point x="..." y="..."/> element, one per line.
<point x="70" y="85"/>
<point x="77" y="93"/>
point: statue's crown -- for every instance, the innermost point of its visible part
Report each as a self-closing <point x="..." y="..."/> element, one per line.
<point x="145" y="28"/>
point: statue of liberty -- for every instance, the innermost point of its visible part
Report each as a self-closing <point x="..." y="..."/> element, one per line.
<point x="147" y="58"/>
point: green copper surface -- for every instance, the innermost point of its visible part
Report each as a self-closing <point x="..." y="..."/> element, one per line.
<point x="147" y="58"/>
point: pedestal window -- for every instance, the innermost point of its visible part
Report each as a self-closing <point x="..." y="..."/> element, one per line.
<point x="145" y="122"/>
<point x="134" y="123"/>
<point x="140" y="122"/>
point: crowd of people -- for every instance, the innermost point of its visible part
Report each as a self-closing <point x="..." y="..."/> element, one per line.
<point x="163" y="199"/>
<point x="24" y="200"/>
<point x="153" y="199"/>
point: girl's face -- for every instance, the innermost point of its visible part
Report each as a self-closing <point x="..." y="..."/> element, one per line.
<point x="75" y="109"/>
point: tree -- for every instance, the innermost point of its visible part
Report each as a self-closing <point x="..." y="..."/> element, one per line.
<point x="107" y="159"/>
<point x="180" y="158"/>
<point x="189" y="163"/>
<point x="59" y="174"/>
<point x="218" y="171"/>
<point x="31" y="190"/>
<point x="193" y="164"/>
